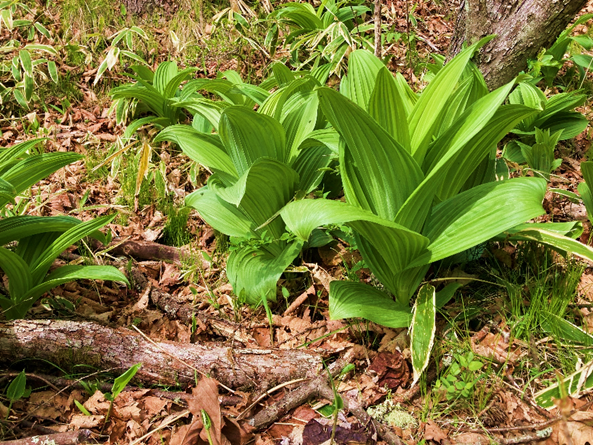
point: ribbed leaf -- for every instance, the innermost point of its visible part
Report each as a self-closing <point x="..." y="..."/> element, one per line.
<point x="467" y="143"/>
<point x="34" y="168"/>
<point x="205" y="149"/>
<point x="310" y="163"/>
<point x="555" y="241"/>
<point x="40" y="267"/>
<point x="363" y="68"/>
<point x="163" y="74"/>
<point x="381" y="174"/>
<point x="253" y="273"/>
<point x="397" y="246"/>
<point x="565" y="330"/>
<point x="221" y="215"/>
<point x="434" y="100"/>
<point x="14" y="152"/>
<point x="357" y="300"/>
<point x="17" y="271"/>
<point x="481" y="213"/>
<point x="573" y="384"/>
<point x="248" y="136"/>
<point x="299" y="119"/>
<point x="585" y="190"/>
<point x="209" y="109"/>
<point x="423" y="330"/>
<point x="62" y="275"/>
<point x="387" y="107"/>
<point x="17" y="227"/>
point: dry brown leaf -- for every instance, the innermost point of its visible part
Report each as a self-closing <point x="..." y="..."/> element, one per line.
<point x="205" y="397"/>
<point x="170" y="276"/>
<point x="494" y="347"/>
<point x="154" y="406"/>
<point x="188" y="434"/>
<point x="586" y="286"/>
<point x="48" y="404"/>
<point x="82" y="421"/>
<point x="97" y="403"/>
<point x="434" y="432"/>
<point x="471" y="439"/>
<point x="390" y="369"/>
<point x="574" y="433"/>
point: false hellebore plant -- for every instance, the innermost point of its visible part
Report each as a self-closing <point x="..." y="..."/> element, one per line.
<point x="259" y="162"/>
<point x="40" y="239"/>
<point x="419" y="182"/>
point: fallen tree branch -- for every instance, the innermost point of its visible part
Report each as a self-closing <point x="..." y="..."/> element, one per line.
<point x="69" y="438"/>
<point x="70" y="342"/>
<point x="319" y="387"/>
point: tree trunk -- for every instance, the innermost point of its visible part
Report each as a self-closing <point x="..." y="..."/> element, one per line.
<point x="68" y="343"/>
<point x="522" y="27"/>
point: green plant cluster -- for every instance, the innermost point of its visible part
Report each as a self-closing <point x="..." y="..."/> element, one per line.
<point x="39" y="240"/>
<point x="417" y="170"/>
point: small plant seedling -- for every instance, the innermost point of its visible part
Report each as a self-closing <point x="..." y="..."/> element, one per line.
<point x="17" y="390"/>
<point x="460" y="378"/>
<point x="207" y="424"/>
<point x="118" y="386"/>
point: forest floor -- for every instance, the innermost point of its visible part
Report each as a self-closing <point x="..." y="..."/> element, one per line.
<point x="179" y="295"/>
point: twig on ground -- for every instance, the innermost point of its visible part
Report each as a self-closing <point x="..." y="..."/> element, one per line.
<point x="69" y="438"/>
<point x="534" y="426"/>
<point x="318" y="387"/>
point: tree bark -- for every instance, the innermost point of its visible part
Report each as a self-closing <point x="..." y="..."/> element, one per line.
<point x="377" y="23"/>
<point x="69" y="342"/>
<point x="522" y="27"/>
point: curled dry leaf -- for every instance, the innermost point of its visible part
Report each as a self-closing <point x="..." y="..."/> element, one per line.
<point x="391" y="370"/>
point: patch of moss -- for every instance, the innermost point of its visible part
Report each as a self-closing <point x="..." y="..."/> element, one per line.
<point x="392" y="414"/>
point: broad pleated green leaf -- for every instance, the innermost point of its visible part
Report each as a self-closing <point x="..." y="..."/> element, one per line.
<point x="387" y="107"/>
<point x="434" y="99"/>
<point x="310" y="163"/>
<point x="300" y="117"/>
<point x="221" y="215"/>
<point x="205" y="149"/>
<point x="423" y="330"/>
<point x="19" y="306"/>
<point x="17" y="271"/>
<point x="253" y="273"/>
<point x="573" y="384"/>
<point x="380" y="174"/>
<point x="480" y="147"/>
<point x="357" y="300"/>
<point x="565" y="330"/>
<point x="468" y="148"/>
<point x="32" y="169"/>
<point x="17" y="227"/>
<point x="12" y="153"/>
<point x="363" y="68"/>
<point x="209" y="109"/>
<point x="389" y="248"/>
<point x="481" y="213"/>
<point x="41" y="265"/>
<point x="248" y="136"/>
